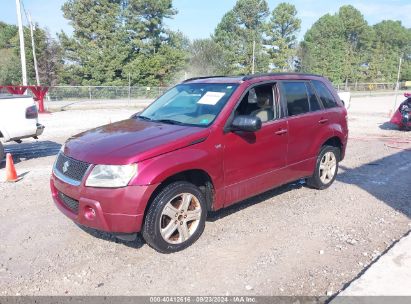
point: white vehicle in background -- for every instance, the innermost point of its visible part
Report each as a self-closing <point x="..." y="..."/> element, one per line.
<point x="346" y="98"/>
<point x="18" y="119"/>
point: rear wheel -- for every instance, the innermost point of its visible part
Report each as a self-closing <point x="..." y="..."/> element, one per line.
<point x="1" y="151"/>
<point x="326" y="168"/>
<point x="175" y="218"/>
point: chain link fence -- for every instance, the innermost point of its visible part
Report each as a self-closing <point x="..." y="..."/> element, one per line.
<point x="71" y="93"/>
<point x="370" y="86"/>
<point x="78" y="93"/>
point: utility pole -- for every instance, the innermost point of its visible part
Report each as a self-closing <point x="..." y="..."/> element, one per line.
<point x="252" y="68"/>
<point x="129" y="87"/>
<point x="397" y="85"/>
<point x="22" y="49"/>
<point x="34" y="49"/>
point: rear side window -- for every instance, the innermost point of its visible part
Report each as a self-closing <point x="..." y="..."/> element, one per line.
<point x="314" y="103"/>
<point x="295" y="94"/>
<point x="325" y="95"/>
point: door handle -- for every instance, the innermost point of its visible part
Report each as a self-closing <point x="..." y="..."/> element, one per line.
<point x="281" y="132"/>
<point x="323" y="120"/>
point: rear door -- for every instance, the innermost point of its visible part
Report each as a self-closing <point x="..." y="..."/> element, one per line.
<point x="305" y="121"/>
<point x="335" y="113"/>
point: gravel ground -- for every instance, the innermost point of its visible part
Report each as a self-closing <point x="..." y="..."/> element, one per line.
<point x="289" y="241"/>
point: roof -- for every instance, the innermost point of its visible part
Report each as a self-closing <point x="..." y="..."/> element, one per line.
<point x="240" y="79"/>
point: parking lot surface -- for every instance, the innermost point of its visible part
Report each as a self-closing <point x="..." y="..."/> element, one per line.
<point x="289" y="241"/>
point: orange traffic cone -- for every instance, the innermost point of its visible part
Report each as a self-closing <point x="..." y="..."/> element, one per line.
<point x="11" y="174"/>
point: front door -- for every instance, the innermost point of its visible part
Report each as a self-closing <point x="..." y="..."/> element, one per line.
<point x="253" y="160"/>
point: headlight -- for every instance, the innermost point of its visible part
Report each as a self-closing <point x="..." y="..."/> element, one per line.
<point x="104" y="176"/>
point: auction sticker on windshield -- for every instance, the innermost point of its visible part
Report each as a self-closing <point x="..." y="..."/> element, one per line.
<point x="211" y="98"/>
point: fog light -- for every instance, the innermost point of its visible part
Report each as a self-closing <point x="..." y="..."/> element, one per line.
<point x="89" y="213"/>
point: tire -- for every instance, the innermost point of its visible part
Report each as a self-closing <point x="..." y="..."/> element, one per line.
<point x="1" y="152"/>
<point x="175" y="218"/>
<point x="327" y="159"/>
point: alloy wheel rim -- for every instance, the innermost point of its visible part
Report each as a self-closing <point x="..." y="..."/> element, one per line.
<point x="180" y="218"/>
<point x="328" y="166"/>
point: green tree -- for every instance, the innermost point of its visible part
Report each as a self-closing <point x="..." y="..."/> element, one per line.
<point x="163" y="67"/>
<point x="358" y="36"/>
<point x="281" y="36"/>
<point x="144" y="21"/>
<point x="7" y="33"/>
<point x="322" y="50"/>
<point x="391" y="41"/>
<point x="205" y="58"/>
<point x="47" y="50"/>
<point x="97" y="51"/>
<point x="338" y="46"/>
<point x="235" y="34"/>
<point x="115" y="39"/>
<point x="10" y="71"/>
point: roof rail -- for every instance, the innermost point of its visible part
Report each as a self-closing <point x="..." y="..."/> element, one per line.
<point x="248" y="77"/>
<point x="203" y="77"/>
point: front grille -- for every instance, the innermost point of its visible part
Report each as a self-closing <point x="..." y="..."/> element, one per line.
<point x="69" y="202"/>
<point x="71" y="168"/>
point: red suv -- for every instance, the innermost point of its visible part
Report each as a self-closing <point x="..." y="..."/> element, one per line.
<point x="205" y="144"/>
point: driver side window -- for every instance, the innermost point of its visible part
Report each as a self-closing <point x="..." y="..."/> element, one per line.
<point x="260" y="101"/>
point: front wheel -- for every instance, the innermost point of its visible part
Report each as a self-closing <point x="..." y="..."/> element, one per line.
<point x="326" y="168"/>
<point x="175" y="218"/>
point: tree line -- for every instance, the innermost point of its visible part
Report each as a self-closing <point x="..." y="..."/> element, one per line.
<point x="121" y="42"/>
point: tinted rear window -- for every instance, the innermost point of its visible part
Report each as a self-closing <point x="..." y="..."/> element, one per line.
<point x="325" y="95"/>
<point x="314" y="103"/>
<point x="296" y="96"/>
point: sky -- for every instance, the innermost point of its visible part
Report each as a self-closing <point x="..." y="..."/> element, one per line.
<point x="198" y="18"/>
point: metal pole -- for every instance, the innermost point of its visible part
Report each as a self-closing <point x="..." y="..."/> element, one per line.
<point x="34" y="50"/>
<point x="397" y="85"/>
<point x="129" y="87"/>
<point x="22" y="49"/>
<point x="252" y="68"/>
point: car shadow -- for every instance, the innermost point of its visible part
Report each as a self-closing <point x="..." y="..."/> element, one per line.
<point x="221" y="213"/>
<point x="384" y="178"/>
<point x="388" y="179"/>
<point x="31" y="150"/>
<point x="137" y="243"/>
<point x="388" y="126"/>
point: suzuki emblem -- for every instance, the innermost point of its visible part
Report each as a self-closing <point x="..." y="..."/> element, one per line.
<point x="66" y="166"/>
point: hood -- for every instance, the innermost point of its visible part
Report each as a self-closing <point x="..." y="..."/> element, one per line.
<point x="129" y="141"/>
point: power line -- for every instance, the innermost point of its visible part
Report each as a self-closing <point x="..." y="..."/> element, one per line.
<point x="25" y="12"/>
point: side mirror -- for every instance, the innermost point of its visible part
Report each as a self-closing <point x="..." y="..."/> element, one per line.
<point x="246" y="123"/>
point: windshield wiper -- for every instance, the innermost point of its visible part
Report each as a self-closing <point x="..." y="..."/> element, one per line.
<point x="170" y="121"/>
<point x="144" y="117"/>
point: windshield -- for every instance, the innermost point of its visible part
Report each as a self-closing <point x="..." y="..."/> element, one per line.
<point x="195" y="104"/>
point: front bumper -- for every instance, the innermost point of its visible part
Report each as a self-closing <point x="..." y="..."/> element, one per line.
<point x="119" y="210"/>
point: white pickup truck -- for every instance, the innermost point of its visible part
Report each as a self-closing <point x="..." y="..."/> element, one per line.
<point x="18" y="119"/>
<point x="346" y="98"/>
